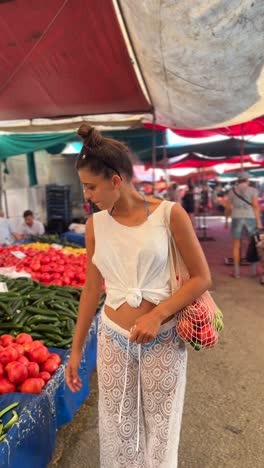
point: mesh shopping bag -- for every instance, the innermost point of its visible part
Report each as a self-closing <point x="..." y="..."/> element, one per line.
<point x="200" y="322"/>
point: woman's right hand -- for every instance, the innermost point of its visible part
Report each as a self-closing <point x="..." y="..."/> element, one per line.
<point x="72" y="377"/>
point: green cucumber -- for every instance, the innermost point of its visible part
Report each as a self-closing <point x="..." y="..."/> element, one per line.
<point x="35" y="319"/>
<point x="53" y="337"/>
<point x="66" y="341"/>
<point x="11" y="326"/>
<point x="39" y="311"/>
<point x="45" y="328"/>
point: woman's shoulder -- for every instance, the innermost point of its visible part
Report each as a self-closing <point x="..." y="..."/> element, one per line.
<point x="96" y="219"/>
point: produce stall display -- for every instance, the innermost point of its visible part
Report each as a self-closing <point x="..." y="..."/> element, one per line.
<point x="26" y="365"/>
<point x="52" y="266"/>
<point x="47" y="313"/>
<point x="32" y="437"/>
<point x="37" y="321"/>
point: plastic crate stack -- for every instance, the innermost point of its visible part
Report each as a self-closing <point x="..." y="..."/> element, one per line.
<point x="59" y="206"/>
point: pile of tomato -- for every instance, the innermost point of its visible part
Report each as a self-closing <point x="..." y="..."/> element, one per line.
<point x="51" y="266"/>
<point x="25" y="365"/>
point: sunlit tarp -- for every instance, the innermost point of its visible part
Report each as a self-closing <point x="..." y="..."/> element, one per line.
<point x="202" y="60"/>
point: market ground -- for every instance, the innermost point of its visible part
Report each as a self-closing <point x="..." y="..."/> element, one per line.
<point x="223" y="422"/>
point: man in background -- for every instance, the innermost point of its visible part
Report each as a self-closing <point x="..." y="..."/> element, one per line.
<point x="30" y="227"/>
<point x="174" y="193"/>
<point x="242" y="206"/>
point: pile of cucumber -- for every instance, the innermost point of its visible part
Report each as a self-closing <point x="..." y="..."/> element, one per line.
<point x="47" y="313"/>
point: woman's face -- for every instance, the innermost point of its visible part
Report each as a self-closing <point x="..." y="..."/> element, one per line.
<point x="99" y="190"/>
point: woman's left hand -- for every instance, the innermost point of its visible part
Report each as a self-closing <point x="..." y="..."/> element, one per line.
<point x="145" y="329"/>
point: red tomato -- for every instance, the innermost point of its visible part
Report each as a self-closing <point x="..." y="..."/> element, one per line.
<point x="32" y="385"/>
<point x="69" y="274"/>
<point x="23" y="338"/>
<point x="28" y="346"/>
<point x="35" y="266"/>
<point x="207" y="335"/>
<point x="6" y="340"/>
<point x="23" y="359"/>
<point x="39" y="354"/>
<point x="38" y="343"/>
<point x="1" y="370"/>
<point x="58" y="282"/>
<point x="19" y="348"/>
<point x="18" y="372"/>
<point x="42" y="382"/>
<point x="185" y="329"/>
<point x="56" y="357"/>
<point x="81" y="277"/>
<point x="8" y="355"/>
<point x="50" y="365"/>
<point x="30" y="252"/>
<point x="8" y="366"/>
<point x="53" y="266"/>
<point x="46" y="278"/>
<point x="45" y="260"/>
<point x="201" y="315"/>
<point x="66" y="280"/>
<point x="45" y="376"/>
<point x="6" y="386"/>
<point x="33" y="369"/>
<point x="56" y="276"/>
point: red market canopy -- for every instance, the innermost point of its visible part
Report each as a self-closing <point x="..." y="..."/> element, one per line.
<point x="253" y="127"/>
<point x="64" y="58"/>
<point x="195" y="161"/>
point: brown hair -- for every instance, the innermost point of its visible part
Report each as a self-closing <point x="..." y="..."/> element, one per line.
<point x="102" y="155"/>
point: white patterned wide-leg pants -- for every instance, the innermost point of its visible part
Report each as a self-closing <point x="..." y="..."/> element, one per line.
<point x="141" y="396"/>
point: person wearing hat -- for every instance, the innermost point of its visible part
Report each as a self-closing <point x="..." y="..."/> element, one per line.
<point x="242" y="206"/>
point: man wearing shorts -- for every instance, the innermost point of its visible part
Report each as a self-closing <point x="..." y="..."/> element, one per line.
<point x="242" y="205"/>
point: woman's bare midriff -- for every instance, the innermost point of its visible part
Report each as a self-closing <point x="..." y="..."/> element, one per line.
<point x="125" y="316"/>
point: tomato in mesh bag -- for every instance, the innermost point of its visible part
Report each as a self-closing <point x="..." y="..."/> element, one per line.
<point x="199" y="326"/>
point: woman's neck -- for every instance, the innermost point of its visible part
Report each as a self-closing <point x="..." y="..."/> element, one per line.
<point x="128" y="201"/>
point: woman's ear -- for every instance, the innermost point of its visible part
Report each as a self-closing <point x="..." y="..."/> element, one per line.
<point x="116" y="181"/>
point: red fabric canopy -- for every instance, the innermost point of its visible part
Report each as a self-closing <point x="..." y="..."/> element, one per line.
<point x="48" y="48"/>
<point x="253" y="127"/>
<point x="196" y="162"/>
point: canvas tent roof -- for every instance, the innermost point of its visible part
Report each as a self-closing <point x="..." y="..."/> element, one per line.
<point x="227" y="148"/>
<point x="199" y="65"/>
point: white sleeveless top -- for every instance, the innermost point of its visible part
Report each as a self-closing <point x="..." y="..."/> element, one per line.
<point x="133" y="260"/>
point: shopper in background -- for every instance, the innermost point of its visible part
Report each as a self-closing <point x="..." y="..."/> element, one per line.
<point x="188" y="202"/>
<point x="242" y="206"/>
<point x="6" y="236"/>
<point x="141" y="361"/>
<point x="174" y="193"/>
<point x="30" y="227"/>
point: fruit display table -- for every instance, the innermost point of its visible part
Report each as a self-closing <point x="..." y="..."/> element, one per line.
<point x="31" y="441"/>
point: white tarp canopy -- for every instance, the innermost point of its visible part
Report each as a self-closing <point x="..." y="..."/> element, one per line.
<point x="203" y="60"/>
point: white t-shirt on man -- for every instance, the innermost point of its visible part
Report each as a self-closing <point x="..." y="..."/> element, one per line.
<point x="37" y="229"/>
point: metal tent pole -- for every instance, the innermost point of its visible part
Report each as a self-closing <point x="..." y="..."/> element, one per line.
<point x="165" y="162"/>
<point x="154" y="153"/>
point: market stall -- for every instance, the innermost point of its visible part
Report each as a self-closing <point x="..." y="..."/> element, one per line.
<point x="32" y="439"/>
<point x="38" y="315"/>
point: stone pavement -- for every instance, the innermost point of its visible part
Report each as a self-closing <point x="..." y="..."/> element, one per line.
<point x="223" y="423"/>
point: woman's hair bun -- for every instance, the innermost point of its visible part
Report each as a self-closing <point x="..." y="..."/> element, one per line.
<point x="91" y="137"/>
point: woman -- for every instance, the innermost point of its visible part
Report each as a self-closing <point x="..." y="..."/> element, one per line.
<point x="242" y="205"/>
<point x="141" y="360"/>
